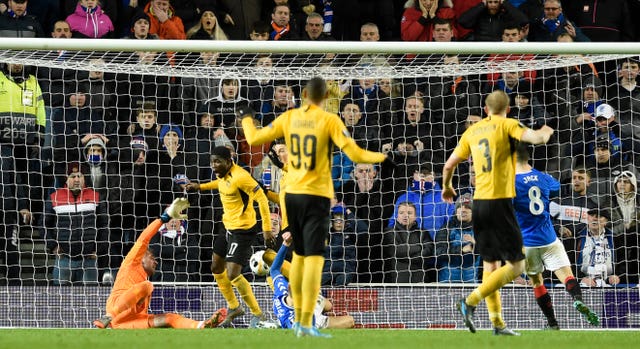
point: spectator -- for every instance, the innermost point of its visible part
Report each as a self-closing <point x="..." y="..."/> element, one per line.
<point x="313" y="32"/>
<point x="369" y="32"/>
<point x="391" y="95"/>
<point x="313" y="29"/>
<point x="336" y="90"/>
<point x="561" y="89"/>
<point x="624" y="96"/>
<point x="408" y="147"/>
<point x="488" y="19"/>
<point x="624" y="203"/>
<point x="16" y="22"/>
<point x="526" y="108"/>
<point x="78" y="123"/>
<point x="375" y="107"/>
<point x="207" y="28"/>
<point x="453" y="97"/>
<point x="281" y="25"/>
<point x="23" y="116"/>
<point x="75" y="227"/>
<point x="443" y="30"/>
<point x="418" y="19"/>
<point x="53" y="82"/>
<point x="224" y="105"/>
<point x="195" y="91"/>
<point x="95" y="155"/>
<point x="175" y="165"/>
<point x="553" y="23"/>
<point x="408" y="250"/>
<point x="260" y="89"/>
<point x="602" y="21"/>
<point x="625" y="216"/>
<point x="604" y="167"/>
<point x="365" y="136"/>
<point x="260" y="31"/>
<point x="140" y="24"/>
<point x="127" y="197"/>
<point x="597" y="252"/>
<point x="570" y="213"/>
<point x="425" y="194"/>
<point x="240" y="18"/>
<point x="102" y="98"/>
<point x="341" y="168"/>
<point x="511" y="33"/>
<point x="340" y="253"/>
<point x="163" y="21"/>
<point x="370" y="198"/>
<point x="460" y="7"/>
<point x="282" y="100"/>
<point x="89" y="21"/>
<point x="531" y="113"/>
<point x="455" y="246"/>
<point x="177" y="251"/>
<point x="149" y="88"/>
<point x="603" y="127"/>
<point x="146" y="125"/>
<point x="206" y="133"/>
<point x="249" y="155"/>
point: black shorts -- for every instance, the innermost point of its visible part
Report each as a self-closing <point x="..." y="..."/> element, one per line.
<point x="236" y="246"/>
<point x="309" y="222"/>
<point x="497" y="231"/>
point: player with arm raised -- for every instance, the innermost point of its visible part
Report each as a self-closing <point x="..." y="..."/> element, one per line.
<point x="231" y="253"/>
<point x="491" y="144"/>
<point x="128" y="303"/>
<point x="310" y="134"/>
<point x="542" y="247"/>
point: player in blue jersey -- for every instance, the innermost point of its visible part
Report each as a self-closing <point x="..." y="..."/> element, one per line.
<point x="283" y="303"/>
<point x="543" y="249"/>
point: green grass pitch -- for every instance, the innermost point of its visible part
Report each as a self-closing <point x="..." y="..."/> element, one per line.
<point x="281" y="339"/>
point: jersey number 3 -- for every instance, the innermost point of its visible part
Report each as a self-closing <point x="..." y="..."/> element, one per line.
<point x="487" y="154"/>
<point x="303" y="151"/>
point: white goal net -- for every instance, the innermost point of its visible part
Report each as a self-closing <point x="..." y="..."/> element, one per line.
<point x="138" y="120"/>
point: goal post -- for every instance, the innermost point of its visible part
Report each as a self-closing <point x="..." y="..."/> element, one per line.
<point x="411" y="99"/>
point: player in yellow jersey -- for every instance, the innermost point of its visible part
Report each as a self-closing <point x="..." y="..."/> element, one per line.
<point x="310" y="134"/>
<point x="491" y="143"/>
<point x="231" y="253"/>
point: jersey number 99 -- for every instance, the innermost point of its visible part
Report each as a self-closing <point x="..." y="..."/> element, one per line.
<point x="303" y="151"/>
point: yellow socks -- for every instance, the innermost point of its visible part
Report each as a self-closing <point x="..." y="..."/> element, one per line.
<point x="244" y="288"/>
<point x="492" y="283"/>
<point x="494" y="305"/>
<point x="225" y="287"/>
<point x="310" y="288"/>
<point x="295" y="282"/>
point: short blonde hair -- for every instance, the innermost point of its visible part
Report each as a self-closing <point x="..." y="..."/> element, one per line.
<point x="497" y="102"/>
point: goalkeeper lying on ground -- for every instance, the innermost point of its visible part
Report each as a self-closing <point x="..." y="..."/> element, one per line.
<point x="283" y="304"/>
<point x="128" y="303"/>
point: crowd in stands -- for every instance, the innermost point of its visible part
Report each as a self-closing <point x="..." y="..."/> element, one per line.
<point x="90" y="158"/>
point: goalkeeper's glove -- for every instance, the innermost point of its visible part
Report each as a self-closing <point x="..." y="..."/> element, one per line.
<point x="244" y="110"/>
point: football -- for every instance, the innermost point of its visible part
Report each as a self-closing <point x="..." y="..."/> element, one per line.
<point x="257" y="265"/>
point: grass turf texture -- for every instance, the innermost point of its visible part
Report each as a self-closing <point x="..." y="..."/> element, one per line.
<point x="348" y="339"/>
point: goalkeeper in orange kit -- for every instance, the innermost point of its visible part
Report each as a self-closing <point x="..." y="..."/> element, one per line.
<point x="128" y="303"/>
